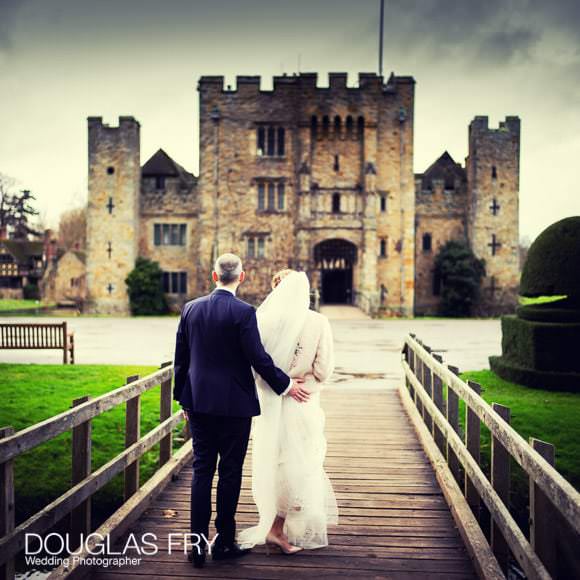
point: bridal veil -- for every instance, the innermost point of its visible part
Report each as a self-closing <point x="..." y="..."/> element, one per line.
<point x="288" y="444"/>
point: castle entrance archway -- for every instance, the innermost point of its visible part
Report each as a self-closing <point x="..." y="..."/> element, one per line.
<point x="336" y="260"/>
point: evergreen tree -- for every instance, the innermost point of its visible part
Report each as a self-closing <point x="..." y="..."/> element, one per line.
<point x="144" y="285"/>
<point x="460" y="273"/>
<point x="16" y="210"/>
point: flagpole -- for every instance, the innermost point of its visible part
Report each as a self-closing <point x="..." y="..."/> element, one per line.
<point x="381" y="31"/>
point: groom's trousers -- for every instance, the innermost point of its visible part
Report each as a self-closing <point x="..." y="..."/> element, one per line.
<point x="225" y="438"/>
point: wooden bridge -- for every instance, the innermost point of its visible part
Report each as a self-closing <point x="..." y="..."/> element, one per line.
<point x="409" y="485"/>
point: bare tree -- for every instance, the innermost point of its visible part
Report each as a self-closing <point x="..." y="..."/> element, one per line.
<point x="72" y="229"/>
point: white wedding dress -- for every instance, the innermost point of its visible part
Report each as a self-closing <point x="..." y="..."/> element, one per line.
<point x="288" y="442"/>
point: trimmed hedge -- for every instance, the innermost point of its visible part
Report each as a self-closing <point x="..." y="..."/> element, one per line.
<point x="550" y="381"/>
<point x="552" y="264"/>
<point x="541" y="346"/>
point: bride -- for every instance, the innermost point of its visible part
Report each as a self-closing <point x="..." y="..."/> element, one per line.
<point x="293" y="494"/>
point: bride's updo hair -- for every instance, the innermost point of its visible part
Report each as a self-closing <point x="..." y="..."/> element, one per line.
<point x="279" y="276"/>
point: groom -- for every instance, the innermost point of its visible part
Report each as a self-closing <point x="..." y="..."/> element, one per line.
<point x="217" y="345"/>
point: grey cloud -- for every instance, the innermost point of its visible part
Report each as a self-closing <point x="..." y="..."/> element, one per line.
<point x="8" y="13"/>
<point x="508" y="44"/>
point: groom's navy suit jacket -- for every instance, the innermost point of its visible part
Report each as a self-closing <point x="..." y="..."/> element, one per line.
<point x="217" y="345"/>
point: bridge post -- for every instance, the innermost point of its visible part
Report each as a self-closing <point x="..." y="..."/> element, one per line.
<point x="411" y="359"/>
<point x="453" y="419"/>
<point x="472" y="442"/>
<point x="543" y="516"/>
<point x="427" y="382"/>
<point x="165" y="402"/>
<point x="419" y="374"/>
<point x="7" y="570"/>
<point x="500" y="480"/>
<point x="81" y="468"/>
<point x="132" y="434"/>
<point x="438" y="400"/>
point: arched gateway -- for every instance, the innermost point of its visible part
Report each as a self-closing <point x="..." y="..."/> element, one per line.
<point x="335" y="259"/>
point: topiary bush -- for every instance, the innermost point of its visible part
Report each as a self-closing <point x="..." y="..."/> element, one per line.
<point x="145" y="289"/>
<point x="460" y="273"/>
<point x="553" y="259"/>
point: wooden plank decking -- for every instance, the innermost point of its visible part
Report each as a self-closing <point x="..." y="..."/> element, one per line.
<point x="394" y="522"/>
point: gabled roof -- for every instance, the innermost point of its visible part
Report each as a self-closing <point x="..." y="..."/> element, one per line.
<point x="444" y="169"/>
<point x="22" y="249"/>
<point x="160" y="164"/>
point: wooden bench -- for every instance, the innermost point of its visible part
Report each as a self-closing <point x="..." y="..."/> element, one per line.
<point x="44" y="336"/>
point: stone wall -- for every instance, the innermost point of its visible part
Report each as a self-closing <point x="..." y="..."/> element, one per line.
<point x="359" y="147"/>
<point x="112" y="213"/>
<point x="344" y="146"/>
<point x="441" y="214"/>
<point x="65" y="280"/>
<point x="493" y="209"/>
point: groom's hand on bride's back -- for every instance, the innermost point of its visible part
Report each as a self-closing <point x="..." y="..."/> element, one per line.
<point x="298" y="392"/>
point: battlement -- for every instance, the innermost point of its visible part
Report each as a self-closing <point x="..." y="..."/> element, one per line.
<point x="480" y="124"/>
<point x="367" y="82"/>
<point x="125" y="121"/>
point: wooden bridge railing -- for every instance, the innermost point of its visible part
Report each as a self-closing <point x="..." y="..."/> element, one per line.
<point x="77" y="500"/>
<point x="431" y="396"/>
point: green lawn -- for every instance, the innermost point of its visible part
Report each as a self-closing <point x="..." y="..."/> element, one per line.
<point x="19" y="305"/>
<point x="551" y="416"/>
<point x="31" y="393"/>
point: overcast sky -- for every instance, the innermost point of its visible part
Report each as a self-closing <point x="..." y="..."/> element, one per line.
<point x="64" y="60"/>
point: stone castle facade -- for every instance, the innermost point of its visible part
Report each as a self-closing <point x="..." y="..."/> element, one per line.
<point x="317" y="179"/>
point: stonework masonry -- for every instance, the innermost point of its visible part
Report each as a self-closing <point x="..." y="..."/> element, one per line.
<point x="314" y="178"/>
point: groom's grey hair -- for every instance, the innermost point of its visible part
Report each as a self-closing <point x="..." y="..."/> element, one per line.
<point x="228" y="267"/>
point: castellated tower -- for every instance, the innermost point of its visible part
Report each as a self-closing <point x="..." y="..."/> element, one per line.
<point x="493" y="169"/>
<point x="317" y="178"/>
<point x="112" y="213"/>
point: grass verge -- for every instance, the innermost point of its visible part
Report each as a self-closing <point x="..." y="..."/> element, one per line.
<point x="31" y="393"/>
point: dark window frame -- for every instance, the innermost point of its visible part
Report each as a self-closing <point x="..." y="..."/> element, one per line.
<point x="336" y="202"/>
<point x="169" y="234"/>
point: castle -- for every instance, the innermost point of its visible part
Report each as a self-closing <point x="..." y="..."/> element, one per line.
<point x="315" y="178"/>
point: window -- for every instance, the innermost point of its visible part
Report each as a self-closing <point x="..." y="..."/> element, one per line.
<point x="313" y="126"/>
<point x="336" y="165"/>
<point x="271" y="195"/>
<point x="360" y="125"/>
<point x="337" y="127"/>
<point x="160" y="182"/>
<point x="110" y="170"/>
<point x="270" y="149"/>
<point x="427" y="242"/>
<point x="281" y="141"/>
<point x="261" y="140"/>
<point x="169" y="234"/>
<point x="336" y="203"/>
<point x="493" y="172"/>
<point x="251" y="247"/>
<point x="349" y="127"/>
<point x="271" y="141"/>
<point x="383" y="248"/>
<point x="175" y="282"/>
<point x="383" y="203"/>
<point x="325" y="125"/>
<point x="261" y="196"/>
<point x="256" y="246"/>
